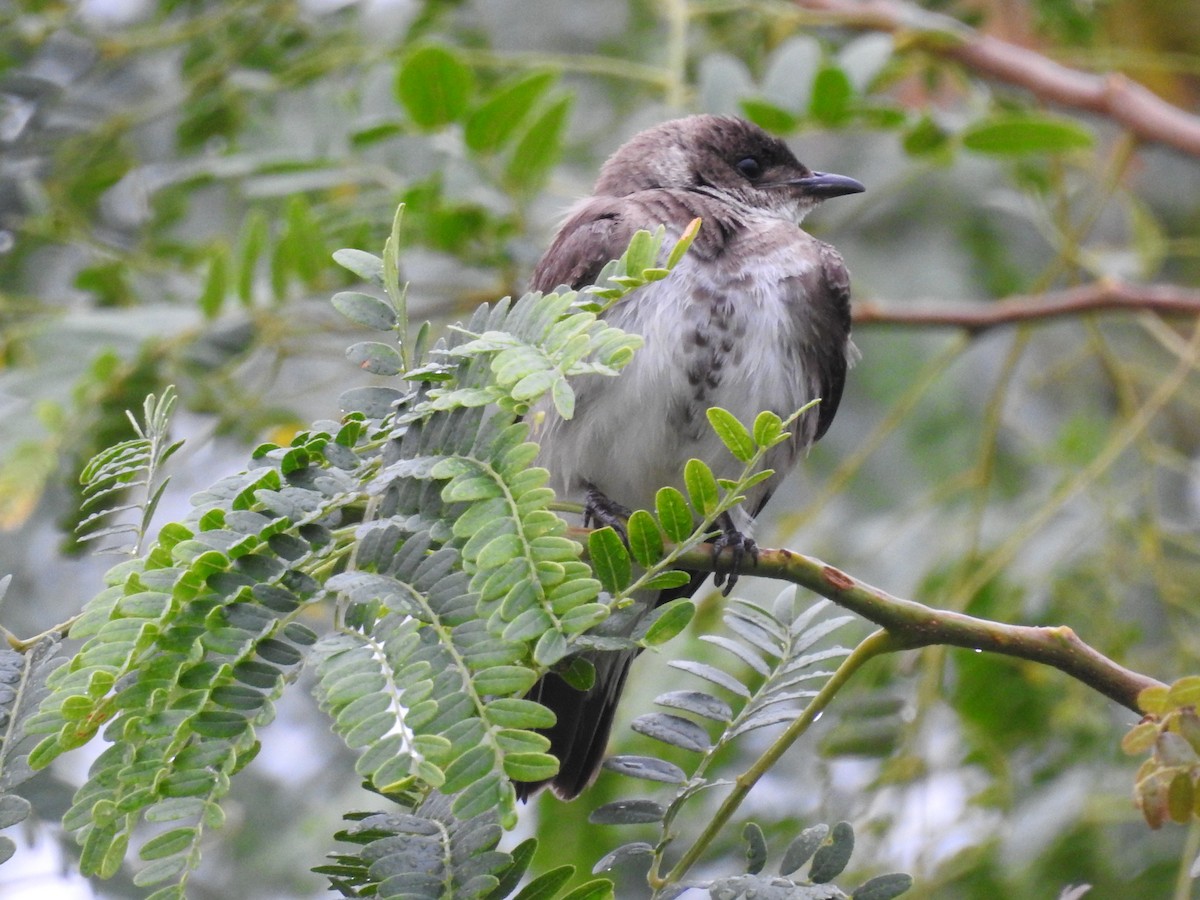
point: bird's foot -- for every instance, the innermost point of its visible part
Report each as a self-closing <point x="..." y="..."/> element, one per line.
<point x="599" y="511"/>
<point x="739" y="546"/>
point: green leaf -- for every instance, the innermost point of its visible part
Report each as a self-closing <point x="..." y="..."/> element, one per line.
<point x="684" y="243"/>
<point x="497" y="119"/>
<point x="434" y="86"/>
<point x="769" y="116"/>
<point x="831" y="95"/>
<point x="666" y="621"/>
<point x="733" y="434"/>
<point x="642" y="252"/>
<point x="530" y="766"/>
<point x="830" y="859"/>
<point x="581" y="618"/>
<point x="13" y="809"/>
<point x="253" y="240"/>
<point x="539" y="148"/>
<point x="1184" y="692"/>
<point x="1026" y="134"/>
<point x="599" y="889"/>
<point x="580" y="674"/>
<point x="802" y="848"/>
<point x="366" y="266"/>
<point x="628" y="812"/>
<point x="768" y="429"/>
<point x="551" y="647"/>
<point x="217" y="283"/>
<point x="645" y="540"/>
<point x="376" y="358"/>
<point x="563" y="397"/>
<point x="468" y="769"/>
<point x="546" y="885"/>
<point x="925" y="138"/>
<point x="365" y="310"/>
<point x="513" y="712"/>
<point x="883" y="887"/>
<point x="217" y="723"/>
<point x="647" y="768"/>
<point x="168" y="843"/>
<point x="756" y="848"/>
<point x="674" y="730"/>
<point x="610" y="560"/>
<point x="363" y="137"/>
<point x="500" y="680"/>
<point x="701" y="487"/>
<point x="673" y="514"/>
<point x="672" y="578"/>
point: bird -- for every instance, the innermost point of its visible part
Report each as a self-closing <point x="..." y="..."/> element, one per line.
<point x="756" y="316"/>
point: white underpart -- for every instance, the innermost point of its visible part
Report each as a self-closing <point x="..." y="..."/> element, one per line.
<point x="621" y="438"/>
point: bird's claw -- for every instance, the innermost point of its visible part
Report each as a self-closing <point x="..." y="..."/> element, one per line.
<point x="739" y="546"/>
<point x="599" y="511"/>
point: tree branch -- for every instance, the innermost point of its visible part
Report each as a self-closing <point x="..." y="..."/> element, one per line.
<point x="913" y="624"/>
<point x="1105" y="295"/>
<point x="1114" y="96"/>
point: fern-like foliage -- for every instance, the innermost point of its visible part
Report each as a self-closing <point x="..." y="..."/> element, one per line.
<point x="432" y="854"/>
<point x="22" y="689"/>
<point x="778" y="649"/>
<point x="419" y="522"/>
<point x="124" y="468"/>
<point x="420" y="532"/>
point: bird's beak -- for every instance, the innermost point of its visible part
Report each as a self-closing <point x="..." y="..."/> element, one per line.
<point x="824" y="184"/>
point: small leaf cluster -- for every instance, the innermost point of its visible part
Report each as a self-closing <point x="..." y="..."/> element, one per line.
<point x="775" y="667"/>
<point x="22" y="689"/>
<point x="804" y="85"/>
<point x="420" y="522"/>
<point x="432" y="854"/>
<point x="183" y="657"/>
<point x="654" y="541"/>
<point x="1167" y="785"/>
<point x="464" y="588"/>
<point x="134" y="463"/>
<point x="826" y="850"/>
<point x="519" y="121"/>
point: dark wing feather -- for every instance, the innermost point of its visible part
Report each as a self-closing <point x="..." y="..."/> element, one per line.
<point x="595" y="234"/>
<point x="833" y="309"/>
<point x="587" y="241"/>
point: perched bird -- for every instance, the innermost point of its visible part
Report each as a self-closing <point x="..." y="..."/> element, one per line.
<point x="755" y="317"/>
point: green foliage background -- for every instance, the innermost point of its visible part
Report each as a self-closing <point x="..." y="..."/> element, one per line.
<point x="176" y="177"/>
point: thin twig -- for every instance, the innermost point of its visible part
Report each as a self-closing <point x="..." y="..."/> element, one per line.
<point x="877" y="644"/>
<point x="1105" y="295"/>
<point x="912" y="625"/>
<point x="918" y="625"/>
<point x="1112" y="95"/>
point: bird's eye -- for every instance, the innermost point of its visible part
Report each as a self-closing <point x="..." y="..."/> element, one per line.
<point x="750" y="167"/>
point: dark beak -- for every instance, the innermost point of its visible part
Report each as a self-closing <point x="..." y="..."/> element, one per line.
<point x="823" y="185"/>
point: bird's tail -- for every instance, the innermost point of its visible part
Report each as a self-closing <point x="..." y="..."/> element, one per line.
<point x="585" y="718"/>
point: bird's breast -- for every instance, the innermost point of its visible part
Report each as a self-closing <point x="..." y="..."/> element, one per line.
<point x="719" y="331"/>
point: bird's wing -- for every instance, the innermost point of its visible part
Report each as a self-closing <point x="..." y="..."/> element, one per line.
<point x="594" y="234"/>
<point x="832" y="360"/>
<point x="823" y="291"/>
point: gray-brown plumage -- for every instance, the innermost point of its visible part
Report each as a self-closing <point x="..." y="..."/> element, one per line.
<point x="755" y="317"/>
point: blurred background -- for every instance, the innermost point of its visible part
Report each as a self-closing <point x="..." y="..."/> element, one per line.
<point x="175" y="175"/>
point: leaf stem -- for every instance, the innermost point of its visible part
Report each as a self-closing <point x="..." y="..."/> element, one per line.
<point x="876" y="644"/>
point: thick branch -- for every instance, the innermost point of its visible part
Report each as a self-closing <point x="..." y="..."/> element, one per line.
<point x="1114" y="96"/>
<point x="1099" y="296"/>
<point x="916" y="625"/>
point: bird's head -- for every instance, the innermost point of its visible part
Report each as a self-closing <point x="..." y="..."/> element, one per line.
<point x="725" y="157"/>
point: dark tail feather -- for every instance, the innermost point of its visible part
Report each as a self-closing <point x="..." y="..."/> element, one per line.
<point x="580" y="736"/>
<point x="585" y="718"/>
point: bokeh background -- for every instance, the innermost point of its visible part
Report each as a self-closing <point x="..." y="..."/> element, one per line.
<point x="175" y="175"/>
